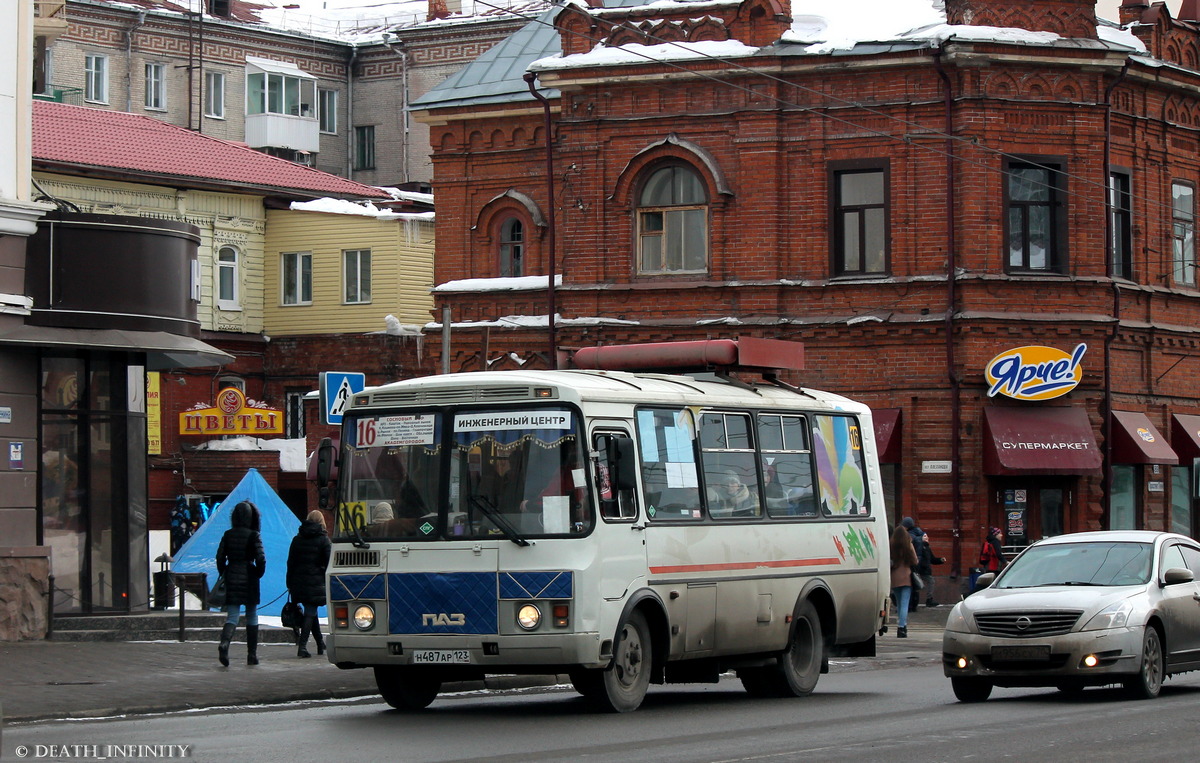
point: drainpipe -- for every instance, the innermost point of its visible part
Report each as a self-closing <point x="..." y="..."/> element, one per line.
<point x="530" y="77"/>
<point x="350" y="112"/>
<point x="1106" y="408"/>
<point x="141" y="20"/>
<point x="951" y="307"/>
<point x="398" y="49"/>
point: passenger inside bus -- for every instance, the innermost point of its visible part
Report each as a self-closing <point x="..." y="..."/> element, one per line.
<point x="732" y="498"/>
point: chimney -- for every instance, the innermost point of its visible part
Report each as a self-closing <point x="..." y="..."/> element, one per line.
<point x="1131" y="11"/>
<point x="437" y="10"/>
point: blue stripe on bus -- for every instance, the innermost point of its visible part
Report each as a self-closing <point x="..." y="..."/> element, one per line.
<point x="536" y="585"/>
<point x="432" y="602"/>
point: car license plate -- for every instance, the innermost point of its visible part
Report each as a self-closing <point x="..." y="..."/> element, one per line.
<point x="1014" y="653"/>
<point x="441" y="656"/>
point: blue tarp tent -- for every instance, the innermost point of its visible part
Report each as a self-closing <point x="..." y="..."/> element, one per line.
<point x="279" y="526"/>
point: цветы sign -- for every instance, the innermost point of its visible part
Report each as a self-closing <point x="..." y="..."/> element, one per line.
<point x="231" y="416"/>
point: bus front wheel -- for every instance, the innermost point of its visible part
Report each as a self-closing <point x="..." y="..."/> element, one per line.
<point x="406" y="689"/>
<point x="624" y="684"/>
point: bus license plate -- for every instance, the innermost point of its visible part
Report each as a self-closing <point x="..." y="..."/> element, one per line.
<point x="441" y="657"/>
<point x="1015" y="653"/>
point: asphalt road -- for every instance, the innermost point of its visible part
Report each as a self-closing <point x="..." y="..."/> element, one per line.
<point x="861" y="712"/>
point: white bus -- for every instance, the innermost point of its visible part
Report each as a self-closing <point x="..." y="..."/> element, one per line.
<point x="621" y="528"/>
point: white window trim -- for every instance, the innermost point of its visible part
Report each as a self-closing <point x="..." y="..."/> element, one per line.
<point x="208" y="95"/>
<point x="283" y="266"/>
<point x="102" y="81"/>
<point x="234" y="304"/>
<point x="159" y="89"/>
<point x="346" y="276"/>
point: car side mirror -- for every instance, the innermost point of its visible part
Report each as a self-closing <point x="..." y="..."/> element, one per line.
<point x="984" y="580"/>
<point x="1177" y="575"/>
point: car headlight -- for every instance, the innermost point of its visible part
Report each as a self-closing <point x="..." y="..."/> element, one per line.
<point x="364" y="617"/>
<point x="1114" y="616"/>
<point x="958" y="620"/>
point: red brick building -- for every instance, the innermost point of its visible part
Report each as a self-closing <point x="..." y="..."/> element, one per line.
<point x="912" y="209"/>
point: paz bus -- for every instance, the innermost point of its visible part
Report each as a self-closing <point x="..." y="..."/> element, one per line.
<point x="619" y="527"/>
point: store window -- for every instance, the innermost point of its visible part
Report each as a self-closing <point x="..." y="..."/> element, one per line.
<point x="1125" y="499"/>
<point x="1183" y="496"/>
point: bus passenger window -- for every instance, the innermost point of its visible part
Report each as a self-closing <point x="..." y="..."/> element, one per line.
<point x="666" y="440"/>
<point x="787" y="466"/>
<point x="730" y="471"/>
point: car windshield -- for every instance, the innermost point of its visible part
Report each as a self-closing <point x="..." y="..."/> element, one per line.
<point x="1095" y="563"/>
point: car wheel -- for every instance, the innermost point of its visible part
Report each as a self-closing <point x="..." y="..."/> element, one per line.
<point x="799" y="667"/>
<point x="1149" y="679"/>
<point x="971" y="689"/>
<point x="406" y="689"/>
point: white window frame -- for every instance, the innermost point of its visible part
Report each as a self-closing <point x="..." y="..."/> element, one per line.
<point x="155" y="97"/>
<point x="300" y="292"/>
<point x="355" y="284"/>
<point x="275" y="87"/>
<point x="95" y="87"/>
<point x="233" y="267"/>
<point x="214" y="95"/>
<point x="327" y="106"/>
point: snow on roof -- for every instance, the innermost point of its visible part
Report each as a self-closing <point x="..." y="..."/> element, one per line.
<point x="291" y="451"/>
<point x="499" y="284"/>
<point x="367" y="209"/>
<point x="369" y="20"/>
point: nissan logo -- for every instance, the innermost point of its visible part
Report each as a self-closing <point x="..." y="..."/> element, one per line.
<point x="1023" y="622"/>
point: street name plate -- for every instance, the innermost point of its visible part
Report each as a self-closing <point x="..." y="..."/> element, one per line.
<point x="441" y="657"/>
<point x="1015" y="653"/>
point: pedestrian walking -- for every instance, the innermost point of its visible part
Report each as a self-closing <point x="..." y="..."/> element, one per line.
<point x="925" y="562"/>
<point x="241" y="561"/>
<point x="904" y="561"/>
<point x="307" y="559"/>
<point x="991" y="555"/>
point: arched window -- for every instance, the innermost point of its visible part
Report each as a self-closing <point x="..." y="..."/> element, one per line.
<point x="673" y="222"/>
<point x="512" y="248"/>
<point x="227" y="279"/>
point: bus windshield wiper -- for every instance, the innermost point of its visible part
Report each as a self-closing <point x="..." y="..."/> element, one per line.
<point x="490" y="511"/>
<point x="347" y="520"/>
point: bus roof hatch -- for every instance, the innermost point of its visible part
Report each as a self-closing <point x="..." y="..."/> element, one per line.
<point x="722" y="355"/>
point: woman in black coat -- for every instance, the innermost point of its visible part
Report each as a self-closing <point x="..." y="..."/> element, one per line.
<point x="307" y="559"/>
<point x="240" y="559"/>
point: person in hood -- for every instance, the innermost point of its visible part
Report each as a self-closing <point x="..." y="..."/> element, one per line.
<point x="307" y="559"/>
<point x="240" y="559"/>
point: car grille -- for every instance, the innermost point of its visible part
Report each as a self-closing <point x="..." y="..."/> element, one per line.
<point x="1034" y="624"/>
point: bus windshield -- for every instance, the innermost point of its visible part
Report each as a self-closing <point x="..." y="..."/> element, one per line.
<point x="433" y="475"/>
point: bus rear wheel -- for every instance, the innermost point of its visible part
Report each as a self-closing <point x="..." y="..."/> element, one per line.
<point x="799" y="667"/>
<point x="623" y="686"/>
<point x="406" y="689"/>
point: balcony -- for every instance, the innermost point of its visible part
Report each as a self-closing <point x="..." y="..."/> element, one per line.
<point x="49" y="19"/>
<point x="299" y="133"/>
<point x="72" y="96"/>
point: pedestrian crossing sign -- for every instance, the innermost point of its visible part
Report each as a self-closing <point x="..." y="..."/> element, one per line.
<point x="337" y="387"/>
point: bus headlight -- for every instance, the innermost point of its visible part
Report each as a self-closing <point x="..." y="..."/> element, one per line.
<point x="364" y="617"/>
<point x="528" y="616"/>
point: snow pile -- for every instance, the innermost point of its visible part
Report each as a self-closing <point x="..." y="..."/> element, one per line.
<point x="292" y="457"/>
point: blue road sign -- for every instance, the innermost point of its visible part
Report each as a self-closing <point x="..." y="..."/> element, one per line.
<point x="337" y="387"/>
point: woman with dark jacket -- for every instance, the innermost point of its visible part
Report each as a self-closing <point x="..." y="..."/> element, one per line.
<point x="241" y="561"/>
<point x="307" y="559"/>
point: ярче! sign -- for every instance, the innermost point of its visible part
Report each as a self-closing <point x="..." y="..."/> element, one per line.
<point x="1035" y="372"/>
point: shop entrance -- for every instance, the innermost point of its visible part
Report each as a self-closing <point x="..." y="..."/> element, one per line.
<point x="1030" y="508"/>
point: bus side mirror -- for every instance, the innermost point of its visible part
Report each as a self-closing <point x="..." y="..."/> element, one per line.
<point x="624" y="461"/>
<point x="325" y="457"/>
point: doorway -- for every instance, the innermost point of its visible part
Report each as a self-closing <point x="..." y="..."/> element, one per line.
<point x="1028" y="509"/>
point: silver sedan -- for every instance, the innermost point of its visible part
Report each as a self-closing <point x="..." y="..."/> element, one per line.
<point x="1079" y="610"/>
